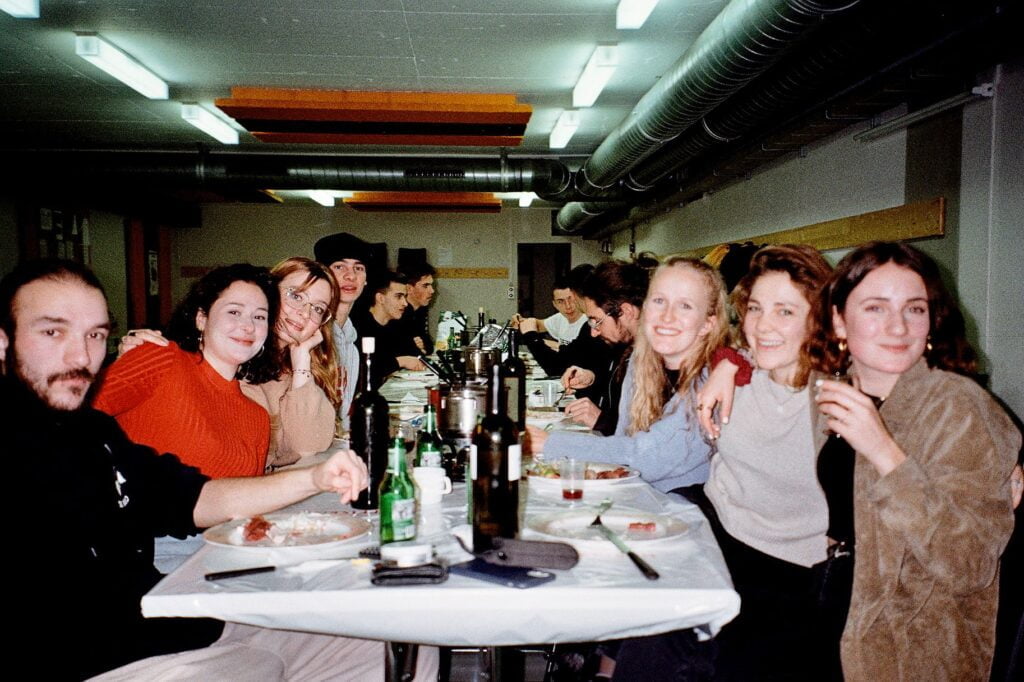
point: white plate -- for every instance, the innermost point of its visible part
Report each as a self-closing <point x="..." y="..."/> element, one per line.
<point x="575" y="525"/>
<point x="554" y="485"/>
<point x="293" y="530"/>
<point x="542" y="418"/>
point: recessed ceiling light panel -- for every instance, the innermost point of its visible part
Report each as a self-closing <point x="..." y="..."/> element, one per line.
<point x="633" y="13"/>
<point x="21" y="9"/>
<point x="565" y="128"/>
<point x="209" y="124"/>
<point x="595" y="75"/>
<point x="105" y="56"/>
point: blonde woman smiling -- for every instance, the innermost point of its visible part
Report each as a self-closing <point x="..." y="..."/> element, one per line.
<point x="683" y="321"/>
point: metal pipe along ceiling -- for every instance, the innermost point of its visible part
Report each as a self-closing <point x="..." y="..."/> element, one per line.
<point x="213" y="170"/>
<point x="744" y="41"/>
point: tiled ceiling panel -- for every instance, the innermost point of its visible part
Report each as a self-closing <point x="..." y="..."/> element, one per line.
<point x="534" y="49"/>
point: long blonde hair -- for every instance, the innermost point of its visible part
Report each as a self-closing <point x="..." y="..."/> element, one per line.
<point x="323" y="362"/>
<point x="651" y="387"/>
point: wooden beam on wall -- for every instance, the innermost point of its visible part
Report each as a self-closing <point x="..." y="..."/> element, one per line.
<point x="472" y="273"/>
<point x="899" y="223"/>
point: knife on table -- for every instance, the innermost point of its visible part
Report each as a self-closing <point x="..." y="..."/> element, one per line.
<point x="644" y="567"/>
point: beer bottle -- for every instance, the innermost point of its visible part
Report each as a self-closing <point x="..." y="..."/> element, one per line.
<point x="397" y="498"/>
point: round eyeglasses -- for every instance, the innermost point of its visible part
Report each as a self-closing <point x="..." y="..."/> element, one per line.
<point x="297" y="300"/>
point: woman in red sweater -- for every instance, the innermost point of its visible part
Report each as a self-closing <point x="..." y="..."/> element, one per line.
<point x="184" y="398"/>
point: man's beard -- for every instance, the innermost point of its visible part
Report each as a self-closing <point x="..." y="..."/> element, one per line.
<point x="41" y="385"/>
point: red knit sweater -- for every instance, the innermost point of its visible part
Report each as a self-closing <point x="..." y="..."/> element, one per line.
<point x="176" y="402"/>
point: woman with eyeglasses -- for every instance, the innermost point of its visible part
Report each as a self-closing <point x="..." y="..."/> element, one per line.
<point x="303" y="401"/>
<point x="303" y="391"/>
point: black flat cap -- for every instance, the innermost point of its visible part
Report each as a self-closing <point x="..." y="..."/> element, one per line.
<point x="341" y="246"/>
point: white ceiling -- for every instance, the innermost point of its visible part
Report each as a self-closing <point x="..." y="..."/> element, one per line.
<point x="535" y="49"/>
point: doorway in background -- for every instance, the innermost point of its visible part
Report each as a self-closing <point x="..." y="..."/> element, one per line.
<point x="538" y="265"/>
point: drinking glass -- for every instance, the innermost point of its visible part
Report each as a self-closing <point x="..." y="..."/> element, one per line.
<point x="573" y="473"/>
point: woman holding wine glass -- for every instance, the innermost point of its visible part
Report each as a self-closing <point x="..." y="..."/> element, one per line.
<point x="928" y="473"/>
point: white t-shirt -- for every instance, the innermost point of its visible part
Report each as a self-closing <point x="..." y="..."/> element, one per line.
<point x="564" y="331"/>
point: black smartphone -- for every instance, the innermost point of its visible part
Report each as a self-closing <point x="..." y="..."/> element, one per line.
<point x="510" y="576"/>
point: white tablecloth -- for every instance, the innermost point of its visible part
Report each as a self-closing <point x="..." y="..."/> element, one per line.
<point x="603" y="597"/>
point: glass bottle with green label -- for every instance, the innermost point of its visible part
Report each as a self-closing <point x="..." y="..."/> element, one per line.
<point x="430" y="446"/>
<point x="397" y="498"/>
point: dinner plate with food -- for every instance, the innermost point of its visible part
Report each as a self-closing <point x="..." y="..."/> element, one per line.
<point x="631" y="525"/>
<point x="544" y="476"/>
<point x="289" y="531"/>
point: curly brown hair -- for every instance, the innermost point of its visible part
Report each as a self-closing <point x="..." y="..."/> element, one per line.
<point x="948" y="346"/>
<point x="182" y="328"/>
<point x="809" y="272"/>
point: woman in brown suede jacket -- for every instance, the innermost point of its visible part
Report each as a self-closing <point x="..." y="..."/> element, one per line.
<point x="931" y="494"/>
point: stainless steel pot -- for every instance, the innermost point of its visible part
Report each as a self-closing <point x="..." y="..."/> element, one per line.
<point x="460" y="407"/>
<point x="480" y="360"/>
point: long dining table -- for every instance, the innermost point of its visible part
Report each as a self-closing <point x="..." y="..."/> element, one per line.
<point x="603" y="597"/>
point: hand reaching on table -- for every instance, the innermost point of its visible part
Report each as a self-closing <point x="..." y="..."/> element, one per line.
<point x="577" y="377"/>
<point x="344" y="473"/>
<point x="535" y="439"/>
<point x="583" y="411"/>
<point x="409" y="362"/>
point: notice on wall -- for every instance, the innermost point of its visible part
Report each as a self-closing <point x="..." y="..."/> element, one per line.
<point x="443" y="256"/>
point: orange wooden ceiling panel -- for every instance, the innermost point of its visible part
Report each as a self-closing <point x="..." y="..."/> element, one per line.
<point x="440" y="140"/>
<point x="364" y="117"/>
<point x="426" y="202"/>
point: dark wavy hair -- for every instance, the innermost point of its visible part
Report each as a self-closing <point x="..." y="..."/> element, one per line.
<point x="183" y="331"/>
<point x="616" y="282"/>
<point x="809" y="272"/>
<point x="949" y="348"/>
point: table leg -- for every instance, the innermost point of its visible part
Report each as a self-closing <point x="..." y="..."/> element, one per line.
<point x="400" y="661"/>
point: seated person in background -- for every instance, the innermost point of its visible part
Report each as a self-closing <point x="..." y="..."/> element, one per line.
<point x="613" y="297"/>
<point x="416" y="318"/>
<point x="103" y="497"/>
<point x="303" y="401"/>
<point x="684" y="321"/>
<point x="380" y="321"/>
<point x="585" y="350"/>
<point x="565" y="325"/>
<point x="346" y="256"/>
<point x="185" y="397"/>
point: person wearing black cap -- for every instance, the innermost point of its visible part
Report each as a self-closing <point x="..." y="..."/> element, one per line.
<point x="346" y="256"/>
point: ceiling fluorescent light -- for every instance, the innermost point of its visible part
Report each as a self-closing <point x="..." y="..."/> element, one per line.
<point x="102" y="54"/>
<point x="526" y="198"/>
<point x="565" y="128"/>
<point x="209" y="123"/>
<point x="595" y="75"/>
<point x="633" y="13"/>
<point x="21" y="9"/>
<point x="321" y="196"/>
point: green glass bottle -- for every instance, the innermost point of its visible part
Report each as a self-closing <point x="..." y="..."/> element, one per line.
<point x="429" y="447"/>
<point x="397" y="498"/>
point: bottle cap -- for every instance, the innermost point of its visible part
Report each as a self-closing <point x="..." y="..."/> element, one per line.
<point x="369" y="344"/>
<point x="409" y="553"/>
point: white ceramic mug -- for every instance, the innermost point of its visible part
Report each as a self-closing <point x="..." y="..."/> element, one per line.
<point x="431" y="484"/>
